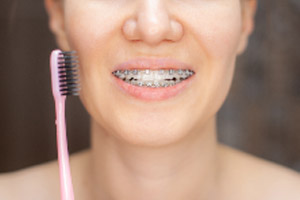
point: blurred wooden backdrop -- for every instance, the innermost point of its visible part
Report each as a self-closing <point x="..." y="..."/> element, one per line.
<point x="261" y="115"/>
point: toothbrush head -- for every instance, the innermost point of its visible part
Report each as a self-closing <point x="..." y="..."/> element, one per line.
<point x="64" y="73"/>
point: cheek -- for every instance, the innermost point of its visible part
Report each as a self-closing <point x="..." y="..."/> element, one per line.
<point x="222" y="36"/>
<point x="218" y="31"/>
<point x="89" y="23"/>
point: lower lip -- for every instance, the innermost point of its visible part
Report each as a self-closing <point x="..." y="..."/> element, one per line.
<point x="153" y="94"/>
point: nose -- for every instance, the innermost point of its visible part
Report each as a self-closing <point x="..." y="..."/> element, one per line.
<point x="152" y="24"/>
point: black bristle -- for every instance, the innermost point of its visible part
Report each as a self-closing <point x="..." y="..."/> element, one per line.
<point x="68" y="73"/>
<point x="68" y="66"/>
<point x="68" y="76"/>
<point x="68" y="80"/>
<point x="67" y="52"/>
<point x="69" y="89"/>
<point x="73" y="71"/>
<point x="69" y="85"/>
<point x="70" y="93"/>
<point x="67" y="61"/>
<point x="70" y="57"/>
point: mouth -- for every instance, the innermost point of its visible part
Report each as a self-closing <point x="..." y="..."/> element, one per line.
<point x="153" y="79"/>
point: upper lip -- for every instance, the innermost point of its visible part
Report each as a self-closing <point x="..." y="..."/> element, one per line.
<point x="152" y="63"/>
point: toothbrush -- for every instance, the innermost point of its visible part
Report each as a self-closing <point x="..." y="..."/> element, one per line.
<point x="63" y="66"/>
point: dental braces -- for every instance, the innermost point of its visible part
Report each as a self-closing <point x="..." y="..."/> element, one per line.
<point x="153" y="78"/>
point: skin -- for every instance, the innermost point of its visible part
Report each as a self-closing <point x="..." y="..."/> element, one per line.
<point x="136" y="153"/>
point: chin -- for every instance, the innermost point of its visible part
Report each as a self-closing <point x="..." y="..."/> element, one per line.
<point x="150" y="132"/>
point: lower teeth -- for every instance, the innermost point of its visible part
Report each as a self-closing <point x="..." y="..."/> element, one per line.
<point x="151" y="84"/>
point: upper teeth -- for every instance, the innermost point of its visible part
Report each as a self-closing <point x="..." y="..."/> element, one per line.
<point x="153" y="78"/>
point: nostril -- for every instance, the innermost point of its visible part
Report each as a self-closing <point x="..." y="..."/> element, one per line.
<point x="130" y="30"/>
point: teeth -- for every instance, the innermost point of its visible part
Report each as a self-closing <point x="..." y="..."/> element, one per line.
<point x="180" y="72"/>
<point x="166" y="85"/>
<point x="135" y="72"/>
<point x="161" y="72"/>
<point x="156" y="84"/>
<point x="126" y="72"/>
<point x="153" y="78"/>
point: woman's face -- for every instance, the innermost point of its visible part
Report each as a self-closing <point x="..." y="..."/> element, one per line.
<point x="204" y="35"/>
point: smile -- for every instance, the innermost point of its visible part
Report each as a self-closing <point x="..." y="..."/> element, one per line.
<point x="153" y="78"/>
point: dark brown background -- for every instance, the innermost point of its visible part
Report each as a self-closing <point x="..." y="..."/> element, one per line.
<point x="260" y="116"/>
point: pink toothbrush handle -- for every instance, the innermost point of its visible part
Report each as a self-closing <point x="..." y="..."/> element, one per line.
<point x="66" y="186"/>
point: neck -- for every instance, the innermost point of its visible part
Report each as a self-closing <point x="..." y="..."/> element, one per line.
<point x="184" y="170"/>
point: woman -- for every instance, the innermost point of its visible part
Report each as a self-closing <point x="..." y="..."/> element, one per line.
<point x="154" y="137"/>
